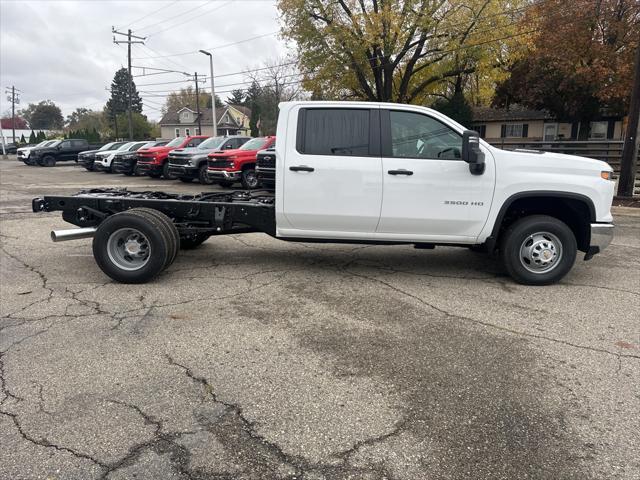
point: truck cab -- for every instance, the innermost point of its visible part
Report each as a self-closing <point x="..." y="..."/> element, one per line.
<point x="154" y="161"/>
<point x="61" y="150"/>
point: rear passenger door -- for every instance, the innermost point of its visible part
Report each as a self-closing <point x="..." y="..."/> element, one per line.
<point x="332" y="172"/>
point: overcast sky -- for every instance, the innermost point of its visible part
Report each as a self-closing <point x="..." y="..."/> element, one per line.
<point x="64" y="51"/>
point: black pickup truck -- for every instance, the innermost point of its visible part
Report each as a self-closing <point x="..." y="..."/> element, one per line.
<point x="266" y="168"/>
<point x="62" y="150"/>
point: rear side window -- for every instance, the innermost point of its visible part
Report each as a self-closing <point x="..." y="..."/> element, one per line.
<point x="334" y="131"/>
<point x="78" y="143"/>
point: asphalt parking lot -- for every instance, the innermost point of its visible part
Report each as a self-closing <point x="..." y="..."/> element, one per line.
<point x="252" y="358"/>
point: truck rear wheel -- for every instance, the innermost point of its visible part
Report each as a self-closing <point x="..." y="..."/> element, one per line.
<point x="170" y="230"/>
<point x="538" y="250"/>
<point x="132" y="246"/>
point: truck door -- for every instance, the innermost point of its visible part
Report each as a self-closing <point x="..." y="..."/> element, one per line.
<point x="333" y="171"/>
<point x="428" y="189"/>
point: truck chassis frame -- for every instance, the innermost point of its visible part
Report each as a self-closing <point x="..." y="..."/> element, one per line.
<point x="206" y="213"/>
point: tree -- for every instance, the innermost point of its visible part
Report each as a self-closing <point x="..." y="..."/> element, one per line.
<point x="591" y="72"/>
<point x="237" y="97"/>
<point x="398" y="50"/>
<point x="118" y="102"/>
<point x="89" y="120"/>
<point x="142" y="129"/>
<point x="32" y="138"/>
<point x="457" y="107"/>
<point x="43" y="115"/>
<point x="22" y="139"/>
<point x="186" y="97"/>
<point x="41" y="137"/>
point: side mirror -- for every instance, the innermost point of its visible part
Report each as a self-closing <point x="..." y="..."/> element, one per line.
<point x="471" y="152"/>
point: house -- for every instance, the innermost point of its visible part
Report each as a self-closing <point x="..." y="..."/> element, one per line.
<point x="230" y="119"/>
<point x="535" y="125"/>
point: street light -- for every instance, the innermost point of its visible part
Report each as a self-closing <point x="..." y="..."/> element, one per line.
<point x="213" y="95"/>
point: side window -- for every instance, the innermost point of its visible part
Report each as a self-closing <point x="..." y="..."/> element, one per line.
<point x="414" y="135"/>
<point x="65" y="145"/>
<point x="334" y="131"/>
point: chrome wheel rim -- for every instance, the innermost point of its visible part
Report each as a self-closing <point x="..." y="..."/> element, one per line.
<point x="128" y="249"/>
<point x="540" y="252"/>
<point x="251" y="178"/>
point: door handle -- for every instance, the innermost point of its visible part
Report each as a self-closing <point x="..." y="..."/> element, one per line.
<point x="401" y="171"/>
<point x="301" y="168"/>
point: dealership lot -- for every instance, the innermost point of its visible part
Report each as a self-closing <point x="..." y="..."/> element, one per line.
<point x="255" y="358"/>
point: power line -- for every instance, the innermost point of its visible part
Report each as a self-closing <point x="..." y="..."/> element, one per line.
<point x="190" y="19"/>
<point x="155" y="24"/>
<point x="151" y="13"/>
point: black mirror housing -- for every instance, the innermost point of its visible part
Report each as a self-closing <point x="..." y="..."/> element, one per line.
<point x="472" y="153"/>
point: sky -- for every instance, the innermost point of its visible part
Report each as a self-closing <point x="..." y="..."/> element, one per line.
<point x="63" y="50"/>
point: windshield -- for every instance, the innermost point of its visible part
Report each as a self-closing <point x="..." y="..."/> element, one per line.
<point x="254" y="144"/>
<point x="176" y="142"/>
<point x="106" y="146"/>
<point x="125" y="146"/>
<point x="55" y="143"/>
<point x="43" y="144"/>
<point x="152" y="144"/>
<point x="136" y="146"/>
<point x="210" y="143"/>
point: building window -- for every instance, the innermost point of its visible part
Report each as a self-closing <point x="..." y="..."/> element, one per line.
<point x="177" y="132"/>
<point x="514" y="130"/>
<point x="187" y="132"/>
<point x="198" y="131"/>
<point x="598" y="130"/>
<point x="482" y="130"/>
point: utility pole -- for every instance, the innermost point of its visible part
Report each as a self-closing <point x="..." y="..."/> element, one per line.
<point x="198" y="106"/>
<point x="14" y="98"/>
<point x="128" y="41"/>
<point x="629" y="160"/>
<point x="213" y="95"/>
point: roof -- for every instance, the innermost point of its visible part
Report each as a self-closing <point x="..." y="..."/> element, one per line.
<point x="513" y="113"/>
<point x="172" y="118"/>
<point x="242" y="109"/>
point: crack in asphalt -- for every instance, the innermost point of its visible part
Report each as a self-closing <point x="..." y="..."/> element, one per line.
<point x="488" y="324"/>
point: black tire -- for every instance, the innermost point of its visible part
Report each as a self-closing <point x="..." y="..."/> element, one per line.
<point x="154" y="174"/>
<point x="170" y="230"/>
<point x="89" y="169"/>
<point x="203" y="178"/>
<point x="154" y="234"/>
<point x="47" y="161"/>
<point x="249" y="179"/>
<point x="225" y="183"/>
<point x="548" y="236"/>
<point x="186" y="179"/>
<point x="128" y="173"/>
<point x="189" y="242"/>
<point x="166" y="174"/>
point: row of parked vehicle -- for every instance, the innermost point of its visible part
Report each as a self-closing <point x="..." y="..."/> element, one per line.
<point x="224" y="160"/>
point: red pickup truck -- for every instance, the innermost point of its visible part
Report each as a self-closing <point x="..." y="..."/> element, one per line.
<point x="239" y="165"/>
<point x="154" y="161"/>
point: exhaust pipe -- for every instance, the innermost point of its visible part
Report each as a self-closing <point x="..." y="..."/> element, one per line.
<point x="73" y="234"/>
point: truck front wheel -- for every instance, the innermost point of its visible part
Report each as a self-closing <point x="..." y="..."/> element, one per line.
<point x="249" y="179"/>
<point x="538" y="250"/>
<point x="47" y="161"/>
<point x="203" y="178"/>
<point x="133" y="246"/>
<point x="166" y="174"/>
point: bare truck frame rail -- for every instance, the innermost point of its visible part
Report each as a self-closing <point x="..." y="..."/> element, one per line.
<point x="207" y="213"/>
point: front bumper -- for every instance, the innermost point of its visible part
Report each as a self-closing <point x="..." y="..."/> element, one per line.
<point x="147" y="168"/>
<point x="183" y="171"/>
<point x="601" y="237"/>
<point x="224" y="175"/>
<point x="123" y="166"/>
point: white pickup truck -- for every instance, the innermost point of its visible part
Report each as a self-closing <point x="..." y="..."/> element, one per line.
<point x="369" y="173"/>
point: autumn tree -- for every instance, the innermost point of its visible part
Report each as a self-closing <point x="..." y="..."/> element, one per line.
<point x="399" y="50"/>
<point x="580" y="60"/>
<point x="186" y="97"/>
<point x="84" y="119"/>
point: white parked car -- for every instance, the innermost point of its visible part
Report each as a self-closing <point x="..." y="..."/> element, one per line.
<point x="23" y="153"/>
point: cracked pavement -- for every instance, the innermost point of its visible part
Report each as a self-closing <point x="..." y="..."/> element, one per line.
<point x="252" y="358"/>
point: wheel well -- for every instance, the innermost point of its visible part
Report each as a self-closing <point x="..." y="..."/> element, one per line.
<point x="247" y="166"/>
<point x="575" y="212"/>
